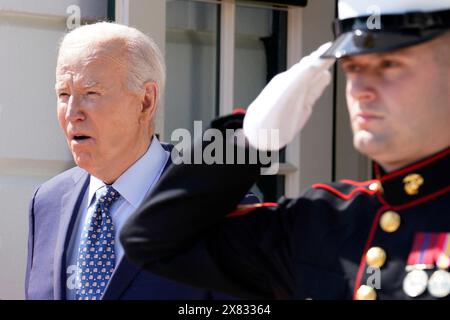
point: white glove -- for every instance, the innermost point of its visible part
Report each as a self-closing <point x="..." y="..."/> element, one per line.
<point x="286" y="102"/>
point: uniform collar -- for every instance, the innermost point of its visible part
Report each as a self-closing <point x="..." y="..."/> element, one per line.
<point x="416" y="183"/>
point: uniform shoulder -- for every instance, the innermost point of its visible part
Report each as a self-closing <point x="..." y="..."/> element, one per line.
<point x="344" y="189"/>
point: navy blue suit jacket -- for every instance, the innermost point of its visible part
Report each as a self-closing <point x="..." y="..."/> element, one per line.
<point x="53" y="211"/>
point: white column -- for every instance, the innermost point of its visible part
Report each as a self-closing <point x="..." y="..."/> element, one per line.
<point x="122" y="12"/>
<point x="294" y="54"/>
<point x="227" y="38"/>
<point x="316" y="144"/>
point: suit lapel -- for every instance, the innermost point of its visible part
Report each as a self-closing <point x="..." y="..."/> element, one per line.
<point x="121" y="278"/>
<point x="70" y="203"/>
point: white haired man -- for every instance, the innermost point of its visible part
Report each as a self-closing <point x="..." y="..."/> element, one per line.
<point x="388" y="238"/>
<point x="109" y="79"/>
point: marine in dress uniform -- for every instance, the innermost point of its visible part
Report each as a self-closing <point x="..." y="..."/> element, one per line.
<point x="387" y="238"/>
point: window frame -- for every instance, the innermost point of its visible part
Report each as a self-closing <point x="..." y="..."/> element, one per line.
<point x="290" y="168"/>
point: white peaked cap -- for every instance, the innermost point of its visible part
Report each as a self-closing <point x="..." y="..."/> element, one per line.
<point x="396" y="24"/>
<point x="360" y="8"/>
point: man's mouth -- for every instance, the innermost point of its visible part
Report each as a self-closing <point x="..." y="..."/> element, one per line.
<point x="365" y="117"/>
<point x="80" y="137"/>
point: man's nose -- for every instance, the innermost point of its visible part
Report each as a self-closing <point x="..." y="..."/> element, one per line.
<point x="361" y="89"/>
<point x="75" y="109"/>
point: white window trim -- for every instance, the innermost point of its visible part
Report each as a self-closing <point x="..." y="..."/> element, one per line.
<point x="294" y="53"/>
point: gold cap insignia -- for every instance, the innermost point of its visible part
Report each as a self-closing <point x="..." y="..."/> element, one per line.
<point x="412" y="183"/>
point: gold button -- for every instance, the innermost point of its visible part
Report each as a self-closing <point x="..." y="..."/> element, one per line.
<point x="375" y="186"/>
<point x="376" y="257"/>
<point x="366" y="293"/>
<point x="390" y="221"/>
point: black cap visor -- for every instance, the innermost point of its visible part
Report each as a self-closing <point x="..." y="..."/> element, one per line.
<point x="393" y="32"/>
<point x="364" y="42"/>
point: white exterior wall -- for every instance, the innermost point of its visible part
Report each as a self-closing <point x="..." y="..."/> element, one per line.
<point x="32" y="147"/>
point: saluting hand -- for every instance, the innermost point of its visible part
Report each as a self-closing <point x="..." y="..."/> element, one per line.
<point x="285" y="104"/>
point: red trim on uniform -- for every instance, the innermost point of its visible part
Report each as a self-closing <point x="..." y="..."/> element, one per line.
<point x="246" y="210"/>
<point x="342" y="195"/>
<point x="412" y="167"/>
<point x="382" y="201"/>
<point x="415" y="202"/>
<point x="362" y="263"/>
<point x="359" y="183"/>
<point x="239" y="111"/>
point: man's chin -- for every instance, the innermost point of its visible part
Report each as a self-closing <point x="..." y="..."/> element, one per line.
<point x="367" y="143"/>
<point x="83" y="161"/>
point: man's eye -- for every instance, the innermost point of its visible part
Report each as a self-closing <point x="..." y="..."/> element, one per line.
<point x="63" y="95"/>
<point x="387" y="64"/>
<point x="352" y="68"/>
<point x="90" y="93"/>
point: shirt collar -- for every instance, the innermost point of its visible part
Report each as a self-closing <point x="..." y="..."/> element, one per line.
<point x="138" y="179"/>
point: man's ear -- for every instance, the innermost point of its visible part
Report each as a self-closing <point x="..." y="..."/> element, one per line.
<point x="149" y="100"/>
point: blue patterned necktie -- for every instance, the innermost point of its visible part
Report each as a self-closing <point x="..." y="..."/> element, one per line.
<point x="96" y="257"/>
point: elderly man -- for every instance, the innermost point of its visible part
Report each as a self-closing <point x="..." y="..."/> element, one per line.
<point x="109" y="79"/>
<point x="387" y="238"/>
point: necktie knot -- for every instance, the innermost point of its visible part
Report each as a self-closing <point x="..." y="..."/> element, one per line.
<point x="109" y="196"/>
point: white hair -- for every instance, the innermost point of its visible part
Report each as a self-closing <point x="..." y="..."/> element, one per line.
<point x="143" y="57"/>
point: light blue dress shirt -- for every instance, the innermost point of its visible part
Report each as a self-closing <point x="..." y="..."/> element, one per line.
<point x="133" y="185"/>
